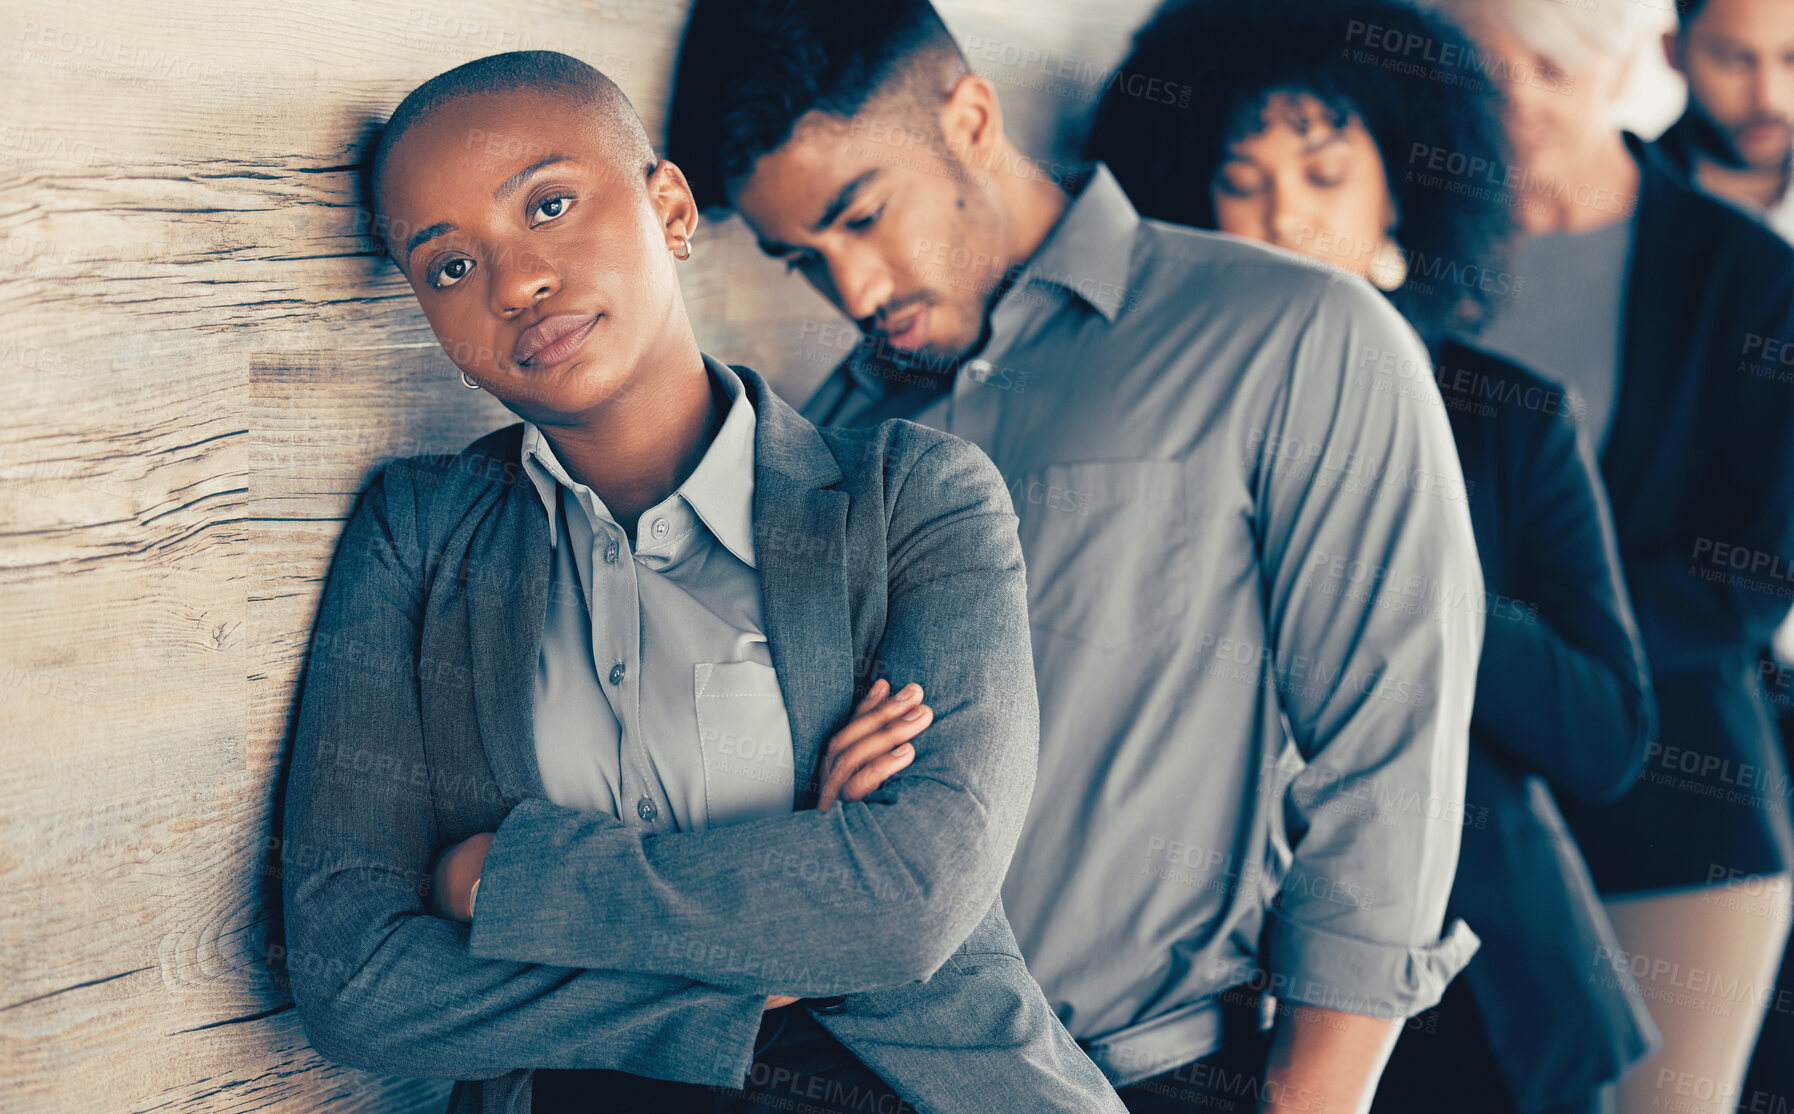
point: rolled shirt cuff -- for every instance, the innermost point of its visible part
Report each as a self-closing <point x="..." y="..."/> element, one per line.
<point x="1315" y="967"/>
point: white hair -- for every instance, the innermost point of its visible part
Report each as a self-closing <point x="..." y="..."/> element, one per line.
<point x="1567" y="32"/>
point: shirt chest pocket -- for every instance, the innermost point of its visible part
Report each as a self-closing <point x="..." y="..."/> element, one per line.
<point x="744" y="737"/>
<point x="1108" y="549"/>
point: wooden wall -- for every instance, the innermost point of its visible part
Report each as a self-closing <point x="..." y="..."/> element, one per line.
<point x="202" y="363"/>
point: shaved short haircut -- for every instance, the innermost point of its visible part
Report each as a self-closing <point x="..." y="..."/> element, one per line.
<point x="582" y="86"/>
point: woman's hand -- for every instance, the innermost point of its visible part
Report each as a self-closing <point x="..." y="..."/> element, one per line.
<point x="875" y="744"/>
<point x="455" y="874"/>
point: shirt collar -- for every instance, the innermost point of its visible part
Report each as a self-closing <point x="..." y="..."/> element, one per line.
<point x="1089" y="252"/>
<point x="720" y="489"/>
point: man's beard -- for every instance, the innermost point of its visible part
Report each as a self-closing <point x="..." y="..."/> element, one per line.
<point x="877" y="350"/>
<point x="927" y="365"/>
<point x="1715" y="141"/>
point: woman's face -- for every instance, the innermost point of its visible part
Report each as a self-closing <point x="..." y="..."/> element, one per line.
<point x="540" y="259"/>
<point x="1306" y="185"/>
<point x="1557" y="113"/>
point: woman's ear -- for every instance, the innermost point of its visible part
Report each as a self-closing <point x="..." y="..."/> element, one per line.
<point x="1392" y="208"/>
<point x="671" y="197"/>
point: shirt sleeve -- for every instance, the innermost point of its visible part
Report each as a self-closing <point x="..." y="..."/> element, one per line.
<point x="1374" y="602"/>
<point x="1572" y="647"/>
<point x="380" y="983"/>
<point x="885" y="889"/>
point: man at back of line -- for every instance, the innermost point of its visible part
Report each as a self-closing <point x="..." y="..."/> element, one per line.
<point x="1735" y="141"/>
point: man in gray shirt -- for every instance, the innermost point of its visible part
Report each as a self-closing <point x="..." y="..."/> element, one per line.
<point x="1254" y="592"/>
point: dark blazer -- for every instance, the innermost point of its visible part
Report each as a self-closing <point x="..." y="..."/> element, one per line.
<point x="1699" y="468"/>
<point x="887" y="551"/>
<point x="1562" y="703"/>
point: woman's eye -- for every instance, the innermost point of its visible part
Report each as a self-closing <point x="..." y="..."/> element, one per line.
<point x="451" y="272"/>
<point x="1236" y="185"/>
<point x="860" y="224"/>
<point x="1327" y="178"/>
<point x="797" y="261"/>
<point x="552" y="207"/>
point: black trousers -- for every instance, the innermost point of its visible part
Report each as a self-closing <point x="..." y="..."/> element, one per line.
<point x="1449" y="1064"/>
<point x="1450" y="1069"/>
<point x="797" y="1065"/>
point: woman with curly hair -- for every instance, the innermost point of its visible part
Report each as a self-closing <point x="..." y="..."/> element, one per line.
<point x="1345" y="131"/>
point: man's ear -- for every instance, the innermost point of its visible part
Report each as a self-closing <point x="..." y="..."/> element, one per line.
<point x="1672" y="51"/>
<point x="1622" y="76"/>
<point x="671" y="197"/>
<point x="972" y="119"/>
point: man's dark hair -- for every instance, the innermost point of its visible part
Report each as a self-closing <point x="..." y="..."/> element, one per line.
<point x="1417" y="87"/>
<point x="1688" y="10"/>
<point x="749" y="69"/>
<point x="582" y="86"/>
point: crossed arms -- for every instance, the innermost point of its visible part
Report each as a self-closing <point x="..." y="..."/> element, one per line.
<point x="596" y="946"/>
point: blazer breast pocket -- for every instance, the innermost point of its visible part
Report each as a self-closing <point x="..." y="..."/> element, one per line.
<point x="1108" y="549"/>
<point x="745" y="738"/>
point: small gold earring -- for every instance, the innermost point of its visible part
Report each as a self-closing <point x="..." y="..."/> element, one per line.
<point x="1389" y="266"/>
<point x="684" y="242"/>
<point x="468" y="384"/>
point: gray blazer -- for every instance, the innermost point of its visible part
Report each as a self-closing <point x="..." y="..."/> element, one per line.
<point x="885" y="551"/>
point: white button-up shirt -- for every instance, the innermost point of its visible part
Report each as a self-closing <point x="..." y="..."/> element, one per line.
<point x="655" y="696"/>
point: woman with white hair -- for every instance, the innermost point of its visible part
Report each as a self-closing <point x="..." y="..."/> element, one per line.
<point x="1654" y="305"/>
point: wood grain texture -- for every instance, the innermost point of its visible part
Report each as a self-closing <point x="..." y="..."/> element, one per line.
<point x="203" y="362"/>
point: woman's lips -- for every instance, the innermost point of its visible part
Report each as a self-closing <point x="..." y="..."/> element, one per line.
<point x="552" y="339"/>
<point x="913" y="334"/>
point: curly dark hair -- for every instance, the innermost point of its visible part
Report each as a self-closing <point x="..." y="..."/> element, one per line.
<point x="1415" y="81"/>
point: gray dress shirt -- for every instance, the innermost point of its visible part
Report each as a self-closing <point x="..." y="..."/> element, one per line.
<point x="656" y="700"/>
<point x="1256" y="610"/>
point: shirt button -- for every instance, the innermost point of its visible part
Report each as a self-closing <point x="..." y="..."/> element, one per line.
<point x="610" y="554"/>
<point x="616" y="674"/>
<point x="660" y="527"/>
<point x="645" y="809"/>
